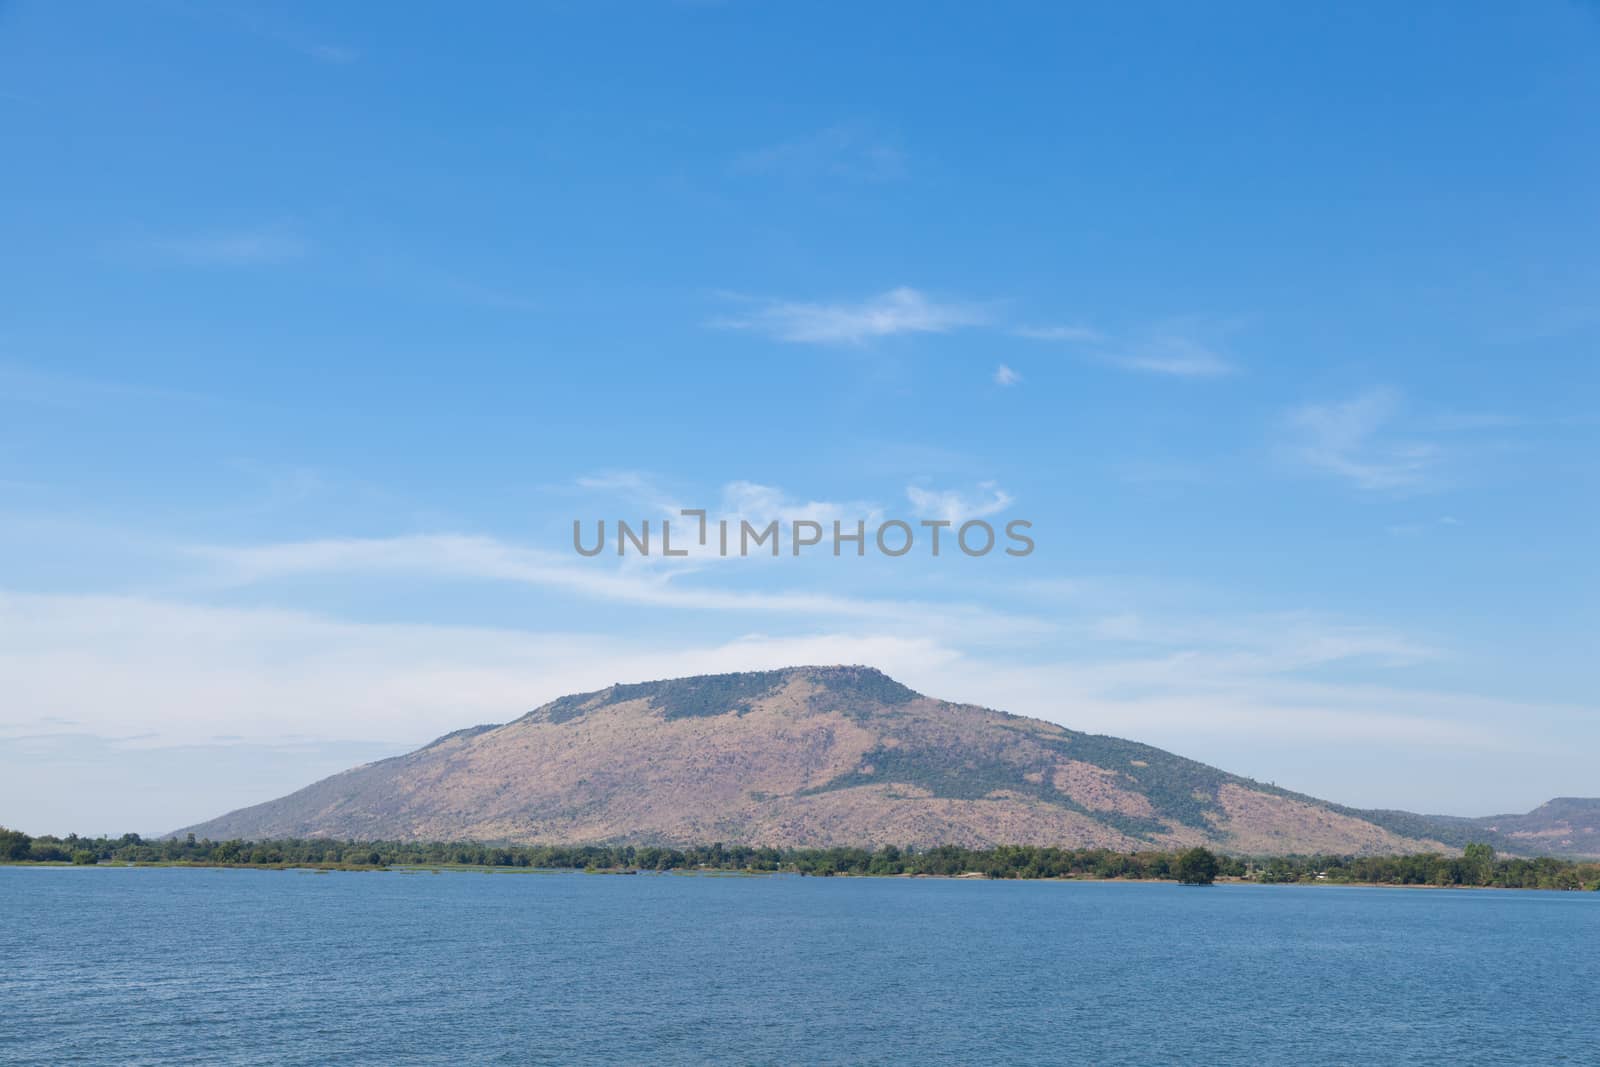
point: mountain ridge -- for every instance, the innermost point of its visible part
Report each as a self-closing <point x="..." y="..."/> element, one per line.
<point x="825" y="755"/>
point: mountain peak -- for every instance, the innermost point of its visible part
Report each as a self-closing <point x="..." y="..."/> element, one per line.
<point x="833" y="754"/>
<point x="703" y="695"/>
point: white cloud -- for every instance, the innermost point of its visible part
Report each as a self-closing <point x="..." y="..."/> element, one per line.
<point x="957" y="507"/>
<point x="168" y="672"/>
<point x="331" y="53"/>
<point x="1165" y="351"/>
<point x="1169" y="351"/>
<point x="1414" y="529"/>
<point x="157" y="673"/>
<point x="301" y="39"/>
<point x="468" y="557"/>
<point x="636" y="486"/>
<point x="1269" y="644"/>
<point x="615" y="479"/>
<point x="23" y="384"/>
<point x="1474" y="420"/>
<point x="898" y="311"/>
<point x="761" y="504"/>
<point x="1351" y="439"/>
<point x="176" y="672"/>
<point x="850" y="151"/>
<point x="739" y="501"/>
<point x="231" y="248"/>
<point x="1179" y="357"/>
<point x="1059" y="333"/>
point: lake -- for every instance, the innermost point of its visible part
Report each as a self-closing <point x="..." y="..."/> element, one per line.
<point x="228" y="967"/>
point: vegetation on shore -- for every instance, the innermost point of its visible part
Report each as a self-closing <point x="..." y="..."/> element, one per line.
<point x="1478" y="866"/>
<point x="1196" y="866"/>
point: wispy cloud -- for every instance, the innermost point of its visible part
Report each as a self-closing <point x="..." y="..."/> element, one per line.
<point x="1354" y="440"/>
<point x="1169" y="354"/>
<point x="430" y="278"/>
<point x="230" y="248"/>
<point x="488" y="296"/>
<point x="1164" y="351"/>
<point x="172" y="673"/>
<point x="296" y="38"/>
<point x="632" y="483"/>
<point x="898" y="311"/>
<point x="329" y="53"/>
<point x="1274" y="643"/>
<point x="850" y="151"/>
<point x="1414" y="529"/>
<point x="25" y="385"/>
<point x="739" y="501"/>
<point x="470" y="557"/>
<point x="190" y="671"/>
<point x="1466" y="421"/>
<point x="1084" y="334"/>
<point x="1170" y="351"/>
<point x="957" y="507"/>
<point x="762" y="504"/>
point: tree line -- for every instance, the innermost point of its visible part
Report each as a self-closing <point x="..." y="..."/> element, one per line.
<point x="1477" y="866"/>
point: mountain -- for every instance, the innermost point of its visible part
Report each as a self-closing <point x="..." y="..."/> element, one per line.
<point x="817" y="756"/>
<point x="1565" y="826"/>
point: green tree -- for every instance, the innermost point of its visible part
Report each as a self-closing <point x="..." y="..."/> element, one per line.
<point x="1479" y="861"/>
<point x="84" y="858"/>
<point x="1197" y="866"/>
<point x="14" y="844"/>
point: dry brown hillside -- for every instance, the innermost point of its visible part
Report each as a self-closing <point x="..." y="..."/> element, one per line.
<point x="809" y="756"/>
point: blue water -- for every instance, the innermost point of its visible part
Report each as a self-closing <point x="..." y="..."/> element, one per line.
<point x="228" y="967"/>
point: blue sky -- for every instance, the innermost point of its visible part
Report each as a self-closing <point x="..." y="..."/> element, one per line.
<point x="320" y="328"/>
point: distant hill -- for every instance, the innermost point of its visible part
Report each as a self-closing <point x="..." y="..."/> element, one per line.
<point x="821" y="756"/>
<point x="1565" y="826"/>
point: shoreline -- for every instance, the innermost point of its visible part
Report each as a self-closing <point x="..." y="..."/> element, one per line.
<point x="740" y="872"/>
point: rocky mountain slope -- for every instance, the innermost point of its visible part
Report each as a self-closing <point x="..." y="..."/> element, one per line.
<point x="814" y="756"/>
<point x="1565" y="826"/>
